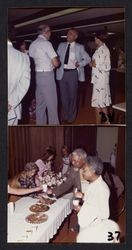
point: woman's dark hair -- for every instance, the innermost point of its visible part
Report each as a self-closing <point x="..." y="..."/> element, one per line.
<point x="66" y="148"/>
<point x="19" y="44"/>
<point x="49" y="152"/>
<point x="102" y="36"/>
<point x="11" y="32"/>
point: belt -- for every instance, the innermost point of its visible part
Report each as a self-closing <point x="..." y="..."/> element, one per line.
<point x="43" y="70"/>
<point x="70" y="69"/>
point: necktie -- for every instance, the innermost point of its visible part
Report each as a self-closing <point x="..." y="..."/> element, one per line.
<point x="67" y="54"/>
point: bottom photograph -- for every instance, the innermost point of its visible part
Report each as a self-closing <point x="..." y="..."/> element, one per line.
<point x="66" y="184"/>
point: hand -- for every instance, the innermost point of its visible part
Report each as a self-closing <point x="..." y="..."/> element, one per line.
<point x="78" y="195"/>
<point x="49" y="191"/>
<point x="77" y="208"/>
<point x="77" y="64"/>
<point x="90" y="64"/>
<point x="93" y="63"/>
<point x="39" y="189"/>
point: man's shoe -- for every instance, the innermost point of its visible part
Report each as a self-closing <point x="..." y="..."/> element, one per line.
<point x="103" y="117"/>
<point x="64" y="122"/>
<point x="111" y="117"/>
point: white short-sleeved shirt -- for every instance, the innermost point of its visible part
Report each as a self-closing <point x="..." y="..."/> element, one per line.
<point x="72" y="58"/>
<point x="42" y="51"/>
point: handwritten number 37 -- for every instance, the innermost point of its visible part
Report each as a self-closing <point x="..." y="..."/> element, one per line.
<point x="112" y="236"/>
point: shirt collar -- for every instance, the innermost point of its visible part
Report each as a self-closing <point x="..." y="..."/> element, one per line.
<point x="42" y="37"/>
<point x="72" y="44"/>
<point x="98" y="180"/>
<point x="103" y="44"/>
<point x="9" y="43"/>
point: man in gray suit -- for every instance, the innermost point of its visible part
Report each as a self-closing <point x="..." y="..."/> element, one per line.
<point x="73" y="58"/>
<point x="73" y="175"/>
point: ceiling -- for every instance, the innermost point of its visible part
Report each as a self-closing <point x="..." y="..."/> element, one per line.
<point x="86" y="19"/>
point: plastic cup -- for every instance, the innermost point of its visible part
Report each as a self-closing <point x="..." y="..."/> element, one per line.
<point x="75" y="202"/>
<point x="44" y="188"/>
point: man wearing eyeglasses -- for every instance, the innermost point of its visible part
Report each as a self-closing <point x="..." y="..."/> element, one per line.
<point x="74" y="179"/>
<point x="45" y="58"/>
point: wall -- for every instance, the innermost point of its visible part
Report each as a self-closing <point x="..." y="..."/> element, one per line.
<point x="106" y="138"/>
<point x="27" y="143"/>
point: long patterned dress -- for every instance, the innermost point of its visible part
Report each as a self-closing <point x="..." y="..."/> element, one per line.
<point x="100" y="78"/>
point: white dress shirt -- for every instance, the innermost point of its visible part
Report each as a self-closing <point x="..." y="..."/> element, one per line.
<point x="72" y="59"/>
<point x="42" y="51"/>
<point x="96" y="203"/>
<point x="94" y="213"/>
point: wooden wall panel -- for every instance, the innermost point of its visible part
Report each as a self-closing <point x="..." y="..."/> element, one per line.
<point x="85" y="137"/>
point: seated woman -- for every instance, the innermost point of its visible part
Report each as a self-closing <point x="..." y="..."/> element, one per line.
<point x="65" y="152"/>
<point x="45" y="163"/>
<point x="94" y="213"/>
<point x="25" y="179"/>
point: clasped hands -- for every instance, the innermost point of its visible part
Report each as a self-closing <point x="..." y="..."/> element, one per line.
<point x="77" y="195"/>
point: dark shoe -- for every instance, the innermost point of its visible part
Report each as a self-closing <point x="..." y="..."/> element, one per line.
<point x="103" y="117"/>
<point x="70" y="122"/>
<point x="111" y="117"/>
<point x="64" y="122"/>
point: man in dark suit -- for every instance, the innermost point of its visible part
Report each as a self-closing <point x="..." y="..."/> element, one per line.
<point x="78" y="160"/>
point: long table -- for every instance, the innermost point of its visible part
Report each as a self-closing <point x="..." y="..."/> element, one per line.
<point x="20" y="231"/>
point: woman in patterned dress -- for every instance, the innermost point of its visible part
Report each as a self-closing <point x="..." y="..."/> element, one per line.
<point x="101" y="65"/>
<point x="45" y="163"/>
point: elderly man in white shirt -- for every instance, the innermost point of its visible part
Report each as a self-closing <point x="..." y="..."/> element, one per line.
<point x="94" y="213"/>
<point x="45" y="58"/>
<point x="18" y="80"/>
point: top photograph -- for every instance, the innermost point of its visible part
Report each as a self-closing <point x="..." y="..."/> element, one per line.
<point x="66" y="66"/>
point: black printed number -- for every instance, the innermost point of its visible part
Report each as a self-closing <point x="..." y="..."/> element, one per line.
<point x="112" y="236"/>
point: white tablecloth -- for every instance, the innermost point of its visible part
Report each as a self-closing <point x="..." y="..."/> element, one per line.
<point x="21" y="231"/>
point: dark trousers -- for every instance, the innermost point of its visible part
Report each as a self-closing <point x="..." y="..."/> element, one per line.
<point x="68" y="91"/>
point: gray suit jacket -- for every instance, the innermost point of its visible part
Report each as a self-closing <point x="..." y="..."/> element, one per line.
<point x="82" y="58"/>
<point x="72" y="181"/>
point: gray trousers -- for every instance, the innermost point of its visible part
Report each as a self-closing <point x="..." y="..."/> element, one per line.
<point x="68" y="91"/>
<point x="46" y="97"/>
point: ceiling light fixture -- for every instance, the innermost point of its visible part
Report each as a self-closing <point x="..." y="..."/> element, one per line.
<point x="83" y="26"/>
<point x="56" y="14"/>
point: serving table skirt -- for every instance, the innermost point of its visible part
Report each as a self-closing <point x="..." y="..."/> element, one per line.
<point x="21" y="231"/>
